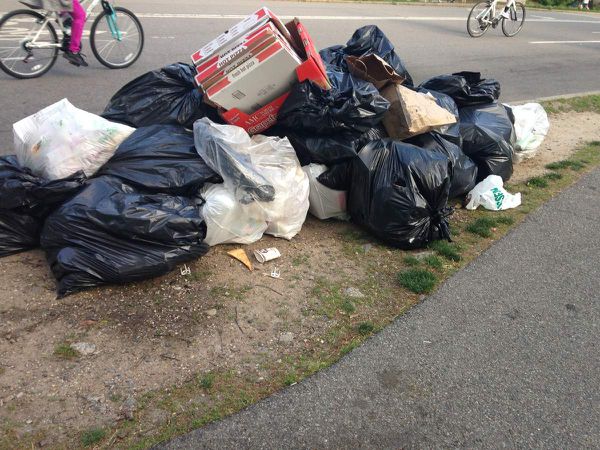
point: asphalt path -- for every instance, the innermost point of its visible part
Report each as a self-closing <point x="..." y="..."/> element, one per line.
<point x="430" y="39"/>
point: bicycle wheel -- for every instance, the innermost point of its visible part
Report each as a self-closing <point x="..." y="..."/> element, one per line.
<point x="480" y="19"/>
<point x="117" y="42"/>
<point x="17" y="57"/>
<point x="512" y="26"/>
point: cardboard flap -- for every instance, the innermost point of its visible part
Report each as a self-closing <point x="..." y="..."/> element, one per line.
<point x="374" y="69"/>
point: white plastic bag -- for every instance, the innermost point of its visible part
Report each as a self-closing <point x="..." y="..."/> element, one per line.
<point x="257" y="169"/>
<point x="227" y="220"/>
<point x="60" y="140"/>
<point x="531" y="127"/>
<point x="325" y="203"/>
<point x="490" y="194"/>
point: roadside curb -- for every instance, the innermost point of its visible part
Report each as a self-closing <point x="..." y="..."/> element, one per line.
<point x="556" y="97"/>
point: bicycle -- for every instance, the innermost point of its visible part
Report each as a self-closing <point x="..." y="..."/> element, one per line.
<point x="483" y="15"/>
<point x="29" y="44"/>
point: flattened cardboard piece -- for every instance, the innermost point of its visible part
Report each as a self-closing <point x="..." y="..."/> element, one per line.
<point x="241" y="256"/>
<point x="412" y="113"/>
<point x="373" y="69"/>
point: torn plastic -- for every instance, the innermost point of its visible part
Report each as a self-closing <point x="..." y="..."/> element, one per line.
<point x="465" y="88"/>
<point x="366" y="40"/>
<point x="399" y="192"/>
<point x="25" y="201"/>
<point x="325" y="203"/>
<point x="112" y="233"/>
<point x="257" y="169"/>
<point x="531" y="127"/>
<point x="464" y="170"/>
<point x="488" y="137"/>
<point x="161" y="159"/>
<point x="227" y="220"/>
<point x="491" y="194"/>
<point x="164" y="96"/>
<point x="61" y="140"/>
<point x="351" y="104"/>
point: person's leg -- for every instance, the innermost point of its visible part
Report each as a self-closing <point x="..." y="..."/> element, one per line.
<point x="78" y="15"/>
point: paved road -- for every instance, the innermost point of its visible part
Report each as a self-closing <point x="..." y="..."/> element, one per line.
<point x="431" y="40"/>
<point x="504" y="355"/>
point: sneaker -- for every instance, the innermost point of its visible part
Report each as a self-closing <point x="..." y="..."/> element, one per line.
<point x="75" y="58"/>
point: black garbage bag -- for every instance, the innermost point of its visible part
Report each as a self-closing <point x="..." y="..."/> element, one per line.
<point x="399" y="192"/>
<point x="466" y="88"/>
<point x="163" y="96"/>
<point x="464" y="170"/>
<point x="160" y="159"/>
<point x="351" y="104"/>
<point x="488" y="139"/>
<point x="338" y="176"/>
<point x="25" y="201"/>
<point x="365" y="41"/>
<point x="113" y="233"/>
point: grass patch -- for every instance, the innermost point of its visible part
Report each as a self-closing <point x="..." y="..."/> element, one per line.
<point x="419" y="281"/>
<point x="206" y="381"/>
<point x="578" y="104"/>
<point x="65" y="351"/>
<point x="446" y="249"/>
<point x="483" y="226"/>
<point x="290" y="379"/>
<point x="553" y="176"/>
<point x="538" y="182"/>
<point x="434" y="262"/>
<point x="411" y="261"/>
<point x="365" y="328"/>
<point x="93" y="436"/>
<point x="348" y="307"/>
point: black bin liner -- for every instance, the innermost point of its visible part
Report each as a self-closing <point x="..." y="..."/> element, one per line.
<point x="161" y="159"/>
<point x="351" y="104"/>
<point x="25" y="201"/>
<point x="164" y="96"/>
<point x="365" y="41"/>
<point x="464" y="170"/>
<point x="466" y="88"/>
<point x="488" y="138"/>
<point x="111" y="233"/>
<point x="399" y="192"/>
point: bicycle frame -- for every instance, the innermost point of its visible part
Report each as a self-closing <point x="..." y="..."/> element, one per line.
<point x="483" y="16"/>
<point x="52" y="15"/>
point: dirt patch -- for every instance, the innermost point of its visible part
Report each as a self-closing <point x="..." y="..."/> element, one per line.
<point x="148" y="336"/>
<point x="568" y="131"/>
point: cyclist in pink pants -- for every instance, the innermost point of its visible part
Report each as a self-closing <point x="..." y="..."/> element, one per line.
<point x="73" y="54"/>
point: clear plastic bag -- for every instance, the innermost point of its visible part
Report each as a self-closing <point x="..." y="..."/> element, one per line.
<point x="257" y="169"/>
<point x="61" y="139"/>
<point x="531" y="127"/>
<point x="325" y="203"/>
<point x="227" y="220"/>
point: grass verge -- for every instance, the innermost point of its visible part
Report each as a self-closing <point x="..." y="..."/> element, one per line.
<point x="394" y="282"/>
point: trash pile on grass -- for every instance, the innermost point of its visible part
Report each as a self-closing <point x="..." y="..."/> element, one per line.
<point x="259" y="131"/>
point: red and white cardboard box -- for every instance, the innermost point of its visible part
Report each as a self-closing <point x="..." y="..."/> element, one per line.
<point x="257" y="81"/>
<point x="229" y="37"/>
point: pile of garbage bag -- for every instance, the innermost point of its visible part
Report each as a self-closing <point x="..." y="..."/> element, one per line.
<point x="159" y="177"/>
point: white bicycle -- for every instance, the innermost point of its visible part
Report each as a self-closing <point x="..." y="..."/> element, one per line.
<point x="483" y="15"/>
<point x="29" y="44"/>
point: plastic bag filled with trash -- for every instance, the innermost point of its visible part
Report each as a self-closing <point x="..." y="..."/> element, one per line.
<point x="365" y="41"/>
<point x="325" y="203"/>
<point x="25" y="201"/>
<point x="490" y="194"/>
<point x="161" y="159"/>
<point x="257" y="169"/>
<point x="465" y="88"/>
<point x="113" y="233"/>
<point x="351" y="105"/>
<point x="164" y="96"/>
<point x="60" y="140"/>
<point x="531" y="127"/>
<point x="399" y="192"/>
<point x="488" y="137"/>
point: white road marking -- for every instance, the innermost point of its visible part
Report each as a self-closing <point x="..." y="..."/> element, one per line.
<point x="360" y="18"/>
<point x="564" y="42"/>
<point x="163" y="37"/>
<point x="544" y="17"/>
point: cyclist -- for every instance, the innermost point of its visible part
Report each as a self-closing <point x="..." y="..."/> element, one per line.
<point x="74" y="8"/>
